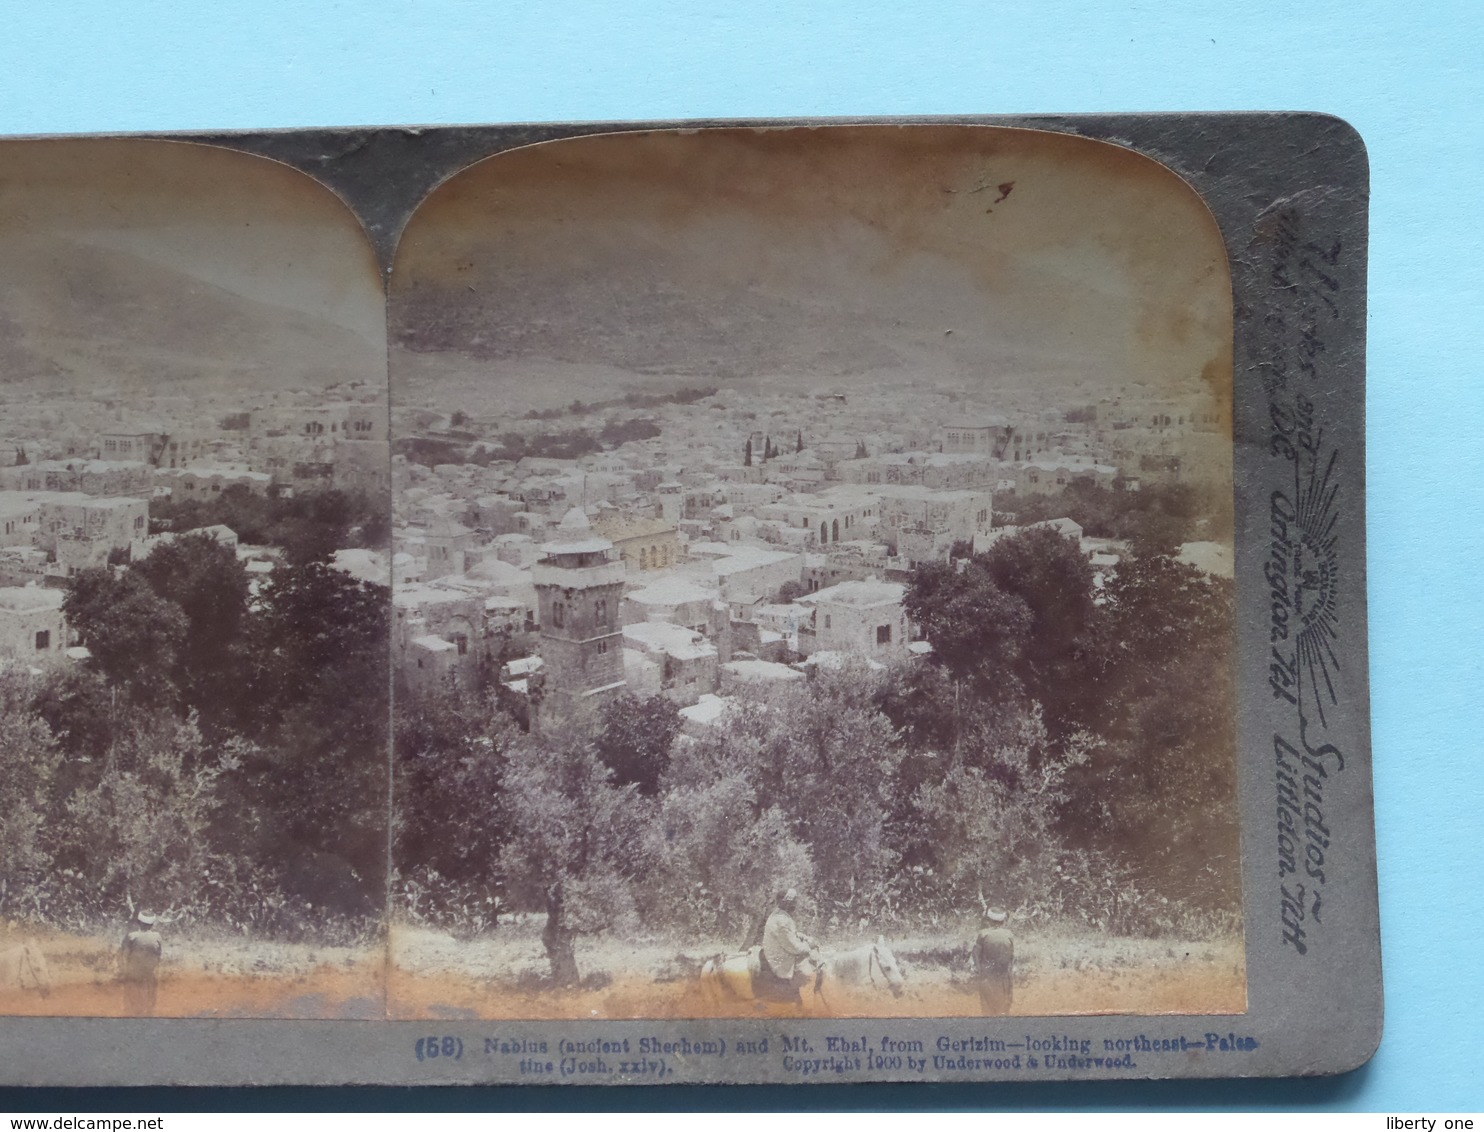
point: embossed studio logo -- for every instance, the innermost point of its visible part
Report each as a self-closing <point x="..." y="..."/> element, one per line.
<point x="1303" y="567"/>
<point x="1316" y="570"/>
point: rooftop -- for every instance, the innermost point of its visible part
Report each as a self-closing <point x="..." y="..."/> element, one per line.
<point x="671" y="591"/>
<point x="862" y="595"/>
<point x="747" y="558"/>
<point x="675" y="640"/>
<point x="29" y="599"/>
<point x="707" y="710"/>
<point x="420" y="594"/>
<point x="1212" y="557"/>
<point x="833" y="660"/>
<point x="761" y="671"/>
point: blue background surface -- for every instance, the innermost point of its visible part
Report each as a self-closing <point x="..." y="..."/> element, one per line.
<point x="1409" y="77"/>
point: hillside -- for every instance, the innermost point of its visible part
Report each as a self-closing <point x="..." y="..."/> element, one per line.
<point x="73" y="311"/>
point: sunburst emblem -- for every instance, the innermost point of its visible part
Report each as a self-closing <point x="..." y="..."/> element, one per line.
<point x="1316" y="573"/>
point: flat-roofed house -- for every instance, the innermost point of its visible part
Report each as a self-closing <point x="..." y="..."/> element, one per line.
<point x="32" y="628"/>
<point x="864" y="618"/>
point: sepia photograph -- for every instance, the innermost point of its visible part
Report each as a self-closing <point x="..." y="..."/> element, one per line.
<point x="194" y="587"/>
<point x="812" y="582"/>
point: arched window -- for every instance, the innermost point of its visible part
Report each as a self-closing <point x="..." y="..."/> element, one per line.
<point x="836" y="526"/>
<point x="558" y="614"/>
<point x="644" y="558"/>
<point x="824" y="534"/>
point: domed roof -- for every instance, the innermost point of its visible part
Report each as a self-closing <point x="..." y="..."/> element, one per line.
<point x="575" y="535"/>
<point x="574" y="522"/>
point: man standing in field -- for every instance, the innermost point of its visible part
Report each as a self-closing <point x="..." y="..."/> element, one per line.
<point x="784" y="948"/>
<point x="139" y="962"/>
<point x="994" y="963"/>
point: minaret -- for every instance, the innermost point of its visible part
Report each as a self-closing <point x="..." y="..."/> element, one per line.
<point x="579" y="586"/>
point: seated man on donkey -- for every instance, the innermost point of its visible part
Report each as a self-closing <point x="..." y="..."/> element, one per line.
<point x="789" y="958"/>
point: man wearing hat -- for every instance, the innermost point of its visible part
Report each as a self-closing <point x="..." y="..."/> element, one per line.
<point x="994" y="962"/>
<point x="783" y="946"/>
<point x="139" y="963"/>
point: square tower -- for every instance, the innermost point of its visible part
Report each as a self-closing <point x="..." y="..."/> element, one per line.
<point x="579" y="588"/>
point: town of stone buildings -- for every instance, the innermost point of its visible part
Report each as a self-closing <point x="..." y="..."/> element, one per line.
<point x="750" y="540"/>
<point x="78" y="476"/>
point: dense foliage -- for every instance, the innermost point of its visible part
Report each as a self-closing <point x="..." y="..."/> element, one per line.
<point x="1067" y="749"/>
<point x="306" y="526"/>
<point x="1153" y="520"/>
<point x="220" y="754"/>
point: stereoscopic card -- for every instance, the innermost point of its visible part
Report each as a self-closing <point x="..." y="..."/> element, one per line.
<point x="633" y="603"/>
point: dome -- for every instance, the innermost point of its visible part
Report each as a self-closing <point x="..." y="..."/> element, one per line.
<point x="574" y="522"/>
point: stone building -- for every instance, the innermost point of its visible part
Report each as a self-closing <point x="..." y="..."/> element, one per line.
<point x="949" y="471"/>
<point x="91" y="477"/>
<point x="20" y="518"/>
<point x="144" y="446"/>
<point x="678" y="601"/>
<point x="104" y="522"/>
<point x="203" y="483"/>
<point x="447" y="542"/>
<point x="686" y="661"/>
<point x="750" y="574"/>
<point x="863" y="618"/>
<point x="436" y="634"/>
<point x="988" y="436"/>
<point x="643" y="544"/>
<point x="579" y="588"/>
<point x="829" y="517"/>
<point x="32" y="629"/>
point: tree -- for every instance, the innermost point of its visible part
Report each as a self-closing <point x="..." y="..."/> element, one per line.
<point x="141" y="830"/>
<point x="1161" y="791"/>
<point x="860" y="450"/>
<point x="80" y="707"/>
<point x="790" y="591"/>
<point x="747" y="454"/>
<point x="636" y="739"/>
<point x="799" y="443"/>
<point x="571" y="844"/>
<point x="826" y="758"/>
<point x="204" y="580"/>
<point x="992" y="822"/>
<point x="29" y="759"/>
<point x="719" y="857"/>
<point x="977" y="630"/>
<point x="1060" y="652"/>
<point x="317" y="679"/>
<point x="135" y="637"/>
<point x="449" y="812"/>
<point x="921" y="701"/>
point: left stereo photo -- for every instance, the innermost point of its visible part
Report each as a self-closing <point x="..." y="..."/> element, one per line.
<point x="194" y="569"/>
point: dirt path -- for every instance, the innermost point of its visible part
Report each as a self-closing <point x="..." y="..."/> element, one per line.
<point x="205" y="977"/>
<point x="504" y="976"/>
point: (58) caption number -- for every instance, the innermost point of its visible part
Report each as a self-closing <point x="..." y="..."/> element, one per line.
<point x="433" y="1046"/>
